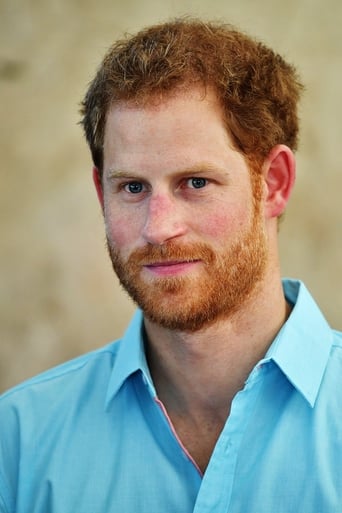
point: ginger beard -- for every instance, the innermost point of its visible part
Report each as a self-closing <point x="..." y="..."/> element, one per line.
<point x="223" y="282"/>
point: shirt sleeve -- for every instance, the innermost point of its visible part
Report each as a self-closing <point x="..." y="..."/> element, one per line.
<point x="9" y="455"/>
<point x="3" y="507"/>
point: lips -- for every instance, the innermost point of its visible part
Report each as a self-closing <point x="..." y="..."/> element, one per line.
<point x="171" y="267"/>
<point x="170" y="259"/>
<point x="170" y="262"/>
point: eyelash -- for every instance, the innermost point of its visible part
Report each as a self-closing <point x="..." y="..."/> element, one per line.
<point x="126" y="187"/>
<point x="201" y="183"/>
<point x="193" y="179"/>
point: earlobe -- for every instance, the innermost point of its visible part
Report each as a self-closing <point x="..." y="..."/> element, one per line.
<point x="279" y="170"/>
<point x="98" y="185"/>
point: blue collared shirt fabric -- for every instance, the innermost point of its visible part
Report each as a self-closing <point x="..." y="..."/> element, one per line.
<point x="91" y="436"/>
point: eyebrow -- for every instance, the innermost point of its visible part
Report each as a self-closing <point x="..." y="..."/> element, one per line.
<point x="116" y="173"/>
<point x="202" y="168"/>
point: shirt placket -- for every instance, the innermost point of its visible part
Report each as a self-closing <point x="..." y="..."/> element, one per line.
<point x="218" y="481"/>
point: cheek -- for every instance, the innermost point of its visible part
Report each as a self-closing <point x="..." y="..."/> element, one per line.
<point x="121" y="230"/>
<point x="223" y="226"/>
<point x="216" y="226"/>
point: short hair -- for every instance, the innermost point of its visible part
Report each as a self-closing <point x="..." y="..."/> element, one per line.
<point x="257" y="88"/>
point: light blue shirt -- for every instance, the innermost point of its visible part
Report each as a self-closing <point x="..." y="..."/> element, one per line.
<point x="90" y="436"/>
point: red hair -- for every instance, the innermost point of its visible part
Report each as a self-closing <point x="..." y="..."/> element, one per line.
<point x="258" y="90"/>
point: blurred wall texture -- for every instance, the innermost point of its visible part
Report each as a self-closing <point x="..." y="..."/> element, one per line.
<point x="58" y="296"/>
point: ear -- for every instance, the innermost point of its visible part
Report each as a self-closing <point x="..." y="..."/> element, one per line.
<point x="279" y="170"/>
<point x="98" y="185"/>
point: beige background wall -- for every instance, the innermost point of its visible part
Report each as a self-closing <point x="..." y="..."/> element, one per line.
<point x="58" y="297"/>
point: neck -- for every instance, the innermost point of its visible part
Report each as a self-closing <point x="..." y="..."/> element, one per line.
<point x="218" y="359"/>
<point x="197" y="374"/>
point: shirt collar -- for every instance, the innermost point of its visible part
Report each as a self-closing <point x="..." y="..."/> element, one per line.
<point x="302" y="347"/>
<point x="130" y="358"/>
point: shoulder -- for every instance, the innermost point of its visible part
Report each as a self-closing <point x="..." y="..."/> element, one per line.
<point x="36" y="414"/>
<point x="336" y="348"/>
<point x="337" y="335"/>
<point x="62" y="379"/>
<point x="329" y="396"/>
<point x="54" y="396"/>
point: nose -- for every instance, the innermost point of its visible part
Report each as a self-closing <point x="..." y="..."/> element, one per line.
<point x="164" y="220"/>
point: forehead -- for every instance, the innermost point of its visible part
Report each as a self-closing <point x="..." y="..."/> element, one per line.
<point x="194" y="100"/>
<point x="183" y="126"/>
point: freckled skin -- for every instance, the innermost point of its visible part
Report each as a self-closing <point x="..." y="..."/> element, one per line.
<point x="160" y="217"/>
<point x="156" y="142"/>
<point x="172" y="180"/>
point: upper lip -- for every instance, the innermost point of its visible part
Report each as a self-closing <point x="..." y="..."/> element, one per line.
<point x="170" y="262"/>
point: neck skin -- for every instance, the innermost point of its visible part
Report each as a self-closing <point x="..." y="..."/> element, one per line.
<point x="197" y="375"/>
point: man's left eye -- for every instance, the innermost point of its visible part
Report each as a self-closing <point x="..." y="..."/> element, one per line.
<point x="197" y="183"/>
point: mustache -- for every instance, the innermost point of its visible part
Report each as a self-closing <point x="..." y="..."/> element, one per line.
<point x="171" y="251"/>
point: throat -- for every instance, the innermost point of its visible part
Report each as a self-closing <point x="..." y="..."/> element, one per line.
<point x="198" y="436"/>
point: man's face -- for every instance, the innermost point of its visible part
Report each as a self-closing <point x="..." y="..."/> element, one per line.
<point x="185" y="231"/>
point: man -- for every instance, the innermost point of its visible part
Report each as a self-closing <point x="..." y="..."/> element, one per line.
<point x="223" y="395"/>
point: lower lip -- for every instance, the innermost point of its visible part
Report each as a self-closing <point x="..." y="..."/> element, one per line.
<point x="171" y="269"/>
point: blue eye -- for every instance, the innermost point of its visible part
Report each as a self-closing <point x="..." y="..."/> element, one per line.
<point x="134" y="187"/>
<point x="197" y="183"/>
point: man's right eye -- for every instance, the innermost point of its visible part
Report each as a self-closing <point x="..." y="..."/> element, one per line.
<point x="133" y="187"/>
